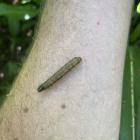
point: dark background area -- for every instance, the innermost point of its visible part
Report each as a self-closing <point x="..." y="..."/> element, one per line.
<point x="18" y="19"/>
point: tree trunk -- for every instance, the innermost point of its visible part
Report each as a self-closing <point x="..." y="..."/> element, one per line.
<point x="85" y="104"/>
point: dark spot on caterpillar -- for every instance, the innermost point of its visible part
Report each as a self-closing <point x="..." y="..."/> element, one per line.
<point x="63" y="106"/>
<point x="25" y="110"/>
<point x="60" y="73"/>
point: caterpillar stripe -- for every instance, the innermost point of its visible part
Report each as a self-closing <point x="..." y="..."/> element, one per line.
<point x="60" y="73"/>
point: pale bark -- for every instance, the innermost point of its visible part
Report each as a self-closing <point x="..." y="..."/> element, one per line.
<point x="85" y="104"/>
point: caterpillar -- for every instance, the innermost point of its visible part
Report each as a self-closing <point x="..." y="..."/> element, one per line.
<point x="60" y="73"/>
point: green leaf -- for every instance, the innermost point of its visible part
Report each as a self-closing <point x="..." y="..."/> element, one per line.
<point x="14" y="25"/>
<point x="134" y="36"/>
<point x="130" y="115"/>
<point x="125" y="129"/>
<point x="19" y="12"/>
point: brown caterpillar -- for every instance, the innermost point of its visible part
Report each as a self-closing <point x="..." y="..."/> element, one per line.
<point x="60" y="73"/>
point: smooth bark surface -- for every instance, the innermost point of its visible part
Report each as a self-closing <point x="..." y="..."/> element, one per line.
<point x="85" y="104"/>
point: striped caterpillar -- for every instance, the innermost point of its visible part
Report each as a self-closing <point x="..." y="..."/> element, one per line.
<point x="60" y="73"/>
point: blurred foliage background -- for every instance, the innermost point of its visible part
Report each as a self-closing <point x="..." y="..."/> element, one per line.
<point x="130" y="114"/>
<point x="18" y="19"/>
